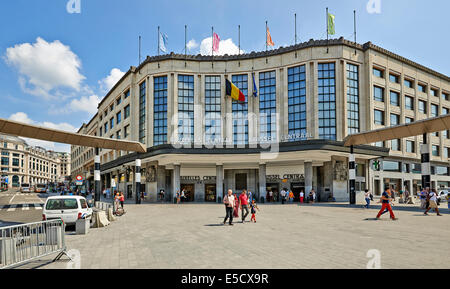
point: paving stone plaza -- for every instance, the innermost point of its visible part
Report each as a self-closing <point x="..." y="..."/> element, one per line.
<point x="190" y="236"/>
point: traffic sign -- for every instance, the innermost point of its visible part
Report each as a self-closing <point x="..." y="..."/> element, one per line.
<point x="79" y="178"/>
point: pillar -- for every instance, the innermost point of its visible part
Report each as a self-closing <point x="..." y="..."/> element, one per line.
<point x="352" y="177"/>
<point x="97" y="181"/>
<point x="138" y="181"/>
<point x="176" y="178"/>
<point x="308" y="177"/>
<point x="426" y="166"/>
<point x="219" y="183"/>
<point x="262" y="182"/>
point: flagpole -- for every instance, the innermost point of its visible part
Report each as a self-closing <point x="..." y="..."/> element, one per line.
<point x="239" y="41"/>
<point x="185" y="45"/>
<point x="139" y="50"/>
<point x="212" y="46"/>
<point x="354" y="24"/>
<point x="295" y="17"/>
<point x="158" y="40"/>
<point x="327" y="31"/>
<point x="266" y="43"/>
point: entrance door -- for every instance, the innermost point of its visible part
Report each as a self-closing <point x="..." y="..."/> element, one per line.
<point x="189" y="192"/>
<point x="275" y="190"/>
<point x="296" y="189"/>
<point x="210" y="193"/>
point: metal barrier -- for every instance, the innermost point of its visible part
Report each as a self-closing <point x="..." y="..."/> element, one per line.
<point x="21" y="244"/>
<point x="103" y="206"/>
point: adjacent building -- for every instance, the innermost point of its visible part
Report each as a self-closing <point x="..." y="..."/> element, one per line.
<point x="21" y="163"/>
<point x="301" y="102"/>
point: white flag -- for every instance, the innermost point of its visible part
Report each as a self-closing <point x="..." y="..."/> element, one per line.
<point x="163" y="41"/>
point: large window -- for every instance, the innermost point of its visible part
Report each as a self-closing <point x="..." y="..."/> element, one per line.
<point x="353" y="98"/>
<point x="119" y="117"/>
<point x="410" y="146"/>
<point x="5" y="161"/>
<point x="212" y="109"/>
<point x="267" y="106"/>
<point x="327" y="101"/>
<point x="394" y="78"/>
<point x="395" y="98"/>
<point x="185" y="108"/>
<point x="395" y="145"/>
<point x="142" y="101"/>
<point x="391" y="166"/>
<point x="240" y="111"/>
<point x="434" y="110"/>
<point x="160" y="110"/>
<point x="409" y="83"/>
<point x="379" y="117"/>
<point x="378" y="72"/>
<point x="435" y="150"/>
<point x="127" y="111"/>
<point x="409" y="103"/>
<point x="395" y="119"/>
<point x="378" y="94"/>
<point x="297" y="102"/>
<point x="422" y="106"/>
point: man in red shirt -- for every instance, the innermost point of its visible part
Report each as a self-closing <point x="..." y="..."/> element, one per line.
<point x="243" y="202"/>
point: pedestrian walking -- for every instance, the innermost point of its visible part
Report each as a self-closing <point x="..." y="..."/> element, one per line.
<point x="432" y="199"/>
<point x="121" y="199"/>
<point x="312" y="196"/>
<point x="291" y="197"/>
<point x="243" y="201"/>
<point x="385" y="200"/>
<point x="283" y="196"/>
<point x="183" y="196"/>
<point x="104" y="193"/>
<point x="270" y="196"/>
<point x="229" y="206"/>
<point x="367" y="197"/>
<point x="236" y="207"/>
<point x="178" y="196"/>
<point x="253" y="208"/>
<point x="423" y="199"/>
<point x="302" y="196"/>
<point x="250" y="197"/>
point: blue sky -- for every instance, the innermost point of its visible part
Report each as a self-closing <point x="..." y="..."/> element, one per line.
<point x="85" y="48"/>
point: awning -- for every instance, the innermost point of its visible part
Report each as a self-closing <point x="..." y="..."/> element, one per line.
<point x="59" y="136"/>
<point x="432" y="125"/>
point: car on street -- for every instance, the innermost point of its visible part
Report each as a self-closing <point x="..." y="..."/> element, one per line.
<point x="40" y="188"/>
<point x="25" y="188"/>
<point x="68" y="208"/>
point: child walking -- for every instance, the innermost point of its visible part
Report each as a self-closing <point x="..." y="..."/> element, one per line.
<point x="253" y="208"/>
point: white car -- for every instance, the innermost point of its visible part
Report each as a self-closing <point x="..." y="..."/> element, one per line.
<point x="67" y="208"/>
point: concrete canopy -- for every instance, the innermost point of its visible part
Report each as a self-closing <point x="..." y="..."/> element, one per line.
<point x="59" y="136"/>
<point x="436" y="124"/>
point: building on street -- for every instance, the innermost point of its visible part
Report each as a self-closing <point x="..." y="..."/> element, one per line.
<point x="301" y="102"/>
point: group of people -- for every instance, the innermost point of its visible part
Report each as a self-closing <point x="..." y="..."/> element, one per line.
<point x="119" y="198"/>
<point x="180" y="197"/>
<point x="233" y="203"/>
<point x="428" y="201"/>
<point x="289" y="196"/>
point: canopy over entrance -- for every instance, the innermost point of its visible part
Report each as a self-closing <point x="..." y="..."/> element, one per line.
<point x="59" y="136"/>
<point x="436" y="124"/>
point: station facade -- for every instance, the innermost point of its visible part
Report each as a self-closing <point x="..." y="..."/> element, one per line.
<point x="301" y="102"/>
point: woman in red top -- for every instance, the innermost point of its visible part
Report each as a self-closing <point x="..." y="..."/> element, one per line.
<point x="122" y="199"/>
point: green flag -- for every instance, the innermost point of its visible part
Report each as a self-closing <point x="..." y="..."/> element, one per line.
<point x="331" y="29"/>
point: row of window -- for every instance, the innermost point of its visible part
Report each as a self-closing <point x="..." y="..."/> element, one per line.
<point x="393" y="166"/>
<point x="118" y="102"/>
<point x="409" y="82"/>
<point x="411" y="148"/>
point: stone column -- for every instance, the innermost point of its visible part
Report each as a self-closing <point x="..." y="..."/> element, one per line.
<point x="219" y="183"/>
<point x="97" y="181"/>
<point x="176" y="178"/>
<point x="161" y="182"/>
<point x="262" y="182"/>
<point x="138" y="181"/>
<point x="352" y="177"/>
<point x="426" y="166"/>
<point x="308" y="177"/>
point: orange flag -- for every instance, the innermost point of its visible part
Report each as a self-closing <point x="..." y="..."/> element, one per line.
<point x="269" y="38"/>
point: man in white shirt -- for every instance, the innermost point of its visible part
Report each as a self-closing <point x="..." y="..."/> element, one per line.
<point x="432" y="196"/>
<point x="283" y="196"/>
<point x="229" y="207"/>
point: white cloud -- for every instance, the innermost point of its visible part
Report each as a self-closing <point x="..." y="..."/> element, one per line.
<point x="44" y="67"/>
<point x="23" y="117"/>
<point x="225" y="47"/>
<point x="108" y="82"/>
<point x="192" y="44"/>
<point x="85" y="104"/>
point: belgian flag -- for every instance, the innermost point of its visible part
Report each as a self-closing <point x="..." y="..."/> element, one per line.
<point x="234" y="92"/>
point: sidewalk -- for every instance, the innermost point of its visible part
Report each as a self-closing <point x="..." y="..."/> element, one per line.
<point x="191" y="236"/>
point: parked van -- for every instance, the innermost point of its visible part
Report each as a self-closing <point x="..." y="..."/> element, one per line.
<point x="67" y="208"/>
<point x="25" y="188"/>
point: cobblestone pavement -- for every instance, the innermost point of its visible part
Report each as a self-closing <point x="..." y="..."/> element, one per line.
<point x="190" y="236"/>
